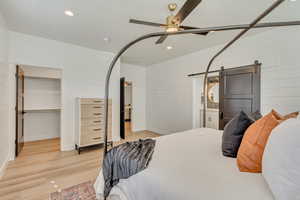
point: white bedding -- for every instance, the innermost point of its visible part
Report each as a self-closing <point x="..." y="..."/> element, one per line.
<point x="190" y="166"/>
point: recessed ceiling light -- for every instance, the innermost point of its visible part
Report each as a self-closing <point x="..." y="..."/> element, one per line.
<point x="69" y="13"/>
<point x="169" y="47"/>
<point x="212" y="31"/>
<point x="106" y="39"/>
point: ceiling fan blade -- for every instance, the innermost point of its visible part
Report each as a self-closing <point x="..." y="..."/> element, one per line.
<point x="135" y="21"/>
<point x="191" y="27"/>
<point x="161" y="39"/>
<point x="186" y="9"/>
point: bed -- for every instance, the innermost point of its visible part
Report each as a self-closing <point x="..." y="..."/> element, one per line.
<point x="189" y="165"/>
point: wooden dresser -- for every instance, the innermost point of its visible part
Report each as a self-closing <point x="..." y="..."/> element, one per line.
<point x="90" y="122"/>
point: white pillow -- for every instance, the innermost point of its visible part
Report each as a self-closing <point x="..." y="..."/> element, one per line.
<point x="281" y="161"/>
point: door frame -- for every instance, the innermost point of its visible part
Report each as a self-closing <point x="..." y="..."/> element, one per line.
<point x="12" y="109"/>
<point x="122" y="108"/>
<point x="253" y="68"/>
<point x="18" y="68"/>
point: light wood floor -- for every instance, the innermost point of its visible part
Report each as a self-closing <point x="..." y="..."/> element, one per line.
<point x="41" y="167"/>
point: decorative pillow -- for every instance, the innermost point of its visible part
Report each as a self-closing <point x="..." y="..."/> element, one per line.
<point x="253" y="144"/>
<point x="233" y="134"/>
<point x="277" y="115"/>
<point x="288" y="116"/>
<point x="291" y="115"/>
<point x="281" y="161"/>
<point x="256" y="115"/>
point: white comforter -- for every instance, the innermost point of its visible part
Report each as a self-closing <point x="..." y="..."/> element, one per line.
<point x="190" y="166"/>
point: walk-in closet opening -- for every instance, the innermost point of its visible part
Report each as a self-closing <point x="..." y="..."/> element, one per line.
<point x="38" y="113"/>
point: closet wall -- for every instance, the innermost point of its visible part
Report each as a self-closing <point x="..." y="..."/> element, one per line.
<point x="42" y="103"/>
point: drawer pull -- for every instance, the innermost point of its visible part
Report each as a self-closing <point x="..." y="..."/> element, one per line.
<point x="97" y="138"/>
<point x="97" y="101"/>
<point x="97" y="106"/>
<point x="97" y="129"/>
<point x="97" y="121"/>
<point x="97" y="114"/>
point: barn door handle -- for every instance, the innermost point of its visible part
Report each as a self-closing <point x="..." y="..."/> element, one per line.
<point x="221" y="115"/>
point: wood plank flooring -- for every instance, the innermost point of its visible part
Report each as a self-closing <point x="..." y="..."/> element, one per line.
<point x="41" y="167"/>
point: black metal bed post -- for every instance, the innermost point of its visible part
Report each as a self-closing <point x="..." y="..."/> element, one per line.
<point x="243" y="32"/>
<point x="202" y="30"/>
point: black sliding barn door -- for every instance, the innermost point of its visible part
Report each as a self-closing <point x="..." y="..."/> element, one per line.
<point x="122" y="108"/>
<point x="239" y="90"/>
<point x="19" y="110"/>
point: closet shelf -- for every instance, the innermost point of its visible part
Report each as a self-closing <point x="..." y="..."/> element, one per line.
<point x="42" y="77"/>
<point x="42" y="109"/>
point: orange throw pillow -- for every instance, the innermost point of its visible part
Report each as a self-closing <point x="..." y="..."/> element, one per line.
<point x="291" y="115"/>
<point x="286" y="117"/>
<point x="254" y="141"/>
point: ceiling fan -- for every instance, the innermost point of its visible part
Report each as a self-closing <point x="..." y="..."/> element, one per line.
<point x="174" y="22"/>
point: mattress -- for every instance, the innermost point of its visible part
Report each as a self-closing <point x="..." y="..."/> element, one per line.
<point x="190" y="166"/>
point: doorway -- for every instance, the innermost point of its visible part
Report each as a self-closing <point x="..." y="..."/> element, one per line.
<point x="239" y="90"/>
<point x="125" y="108"/>
<point x="228" y="92"/>
<point x="19" y="110"/>
<point x="213" y="100"/>
<point x="38" y="109"/>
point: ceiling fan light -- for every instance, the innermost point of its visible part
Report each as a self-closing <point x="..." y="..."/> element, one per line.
<point x="172" y="29"/>
<point x="172" y="7"/>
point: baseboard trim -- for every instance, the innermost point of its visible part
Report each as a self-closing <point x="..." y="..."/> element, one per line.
<point x="158" y="131"/>
<point x="68" y="148"/>
<point x="138" y="130"/>
<point x="3" y="167"/>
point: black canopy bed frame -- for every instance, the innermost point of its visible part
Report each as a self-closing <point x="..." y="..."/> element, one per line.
<point x="244" y="27"/>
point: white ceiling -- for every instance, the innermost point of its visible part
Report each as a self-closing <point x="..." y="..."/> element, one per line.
<point x="97" y="19"/>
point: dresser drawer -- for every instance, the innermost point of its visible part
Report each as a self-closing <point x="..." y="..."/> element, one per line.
<point x="94" y="101"/>
<point x="92" y="122"/>
<point x="93" y="135"/>
<point x="91" y="138"/>
<point x="92" y="111"/>
<point x="85" y="130"/>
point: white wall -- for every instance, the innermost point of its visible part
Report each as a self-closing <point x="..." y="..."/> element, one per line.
<point x="83" y="75"/>
<point x="4" y="127"/>
<point x="41" y="125"/>
<point x="136" y="75"/>
<point x="41" y="94"/>
<point x="128" y="95"/>
<point x="170" y="91"/>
